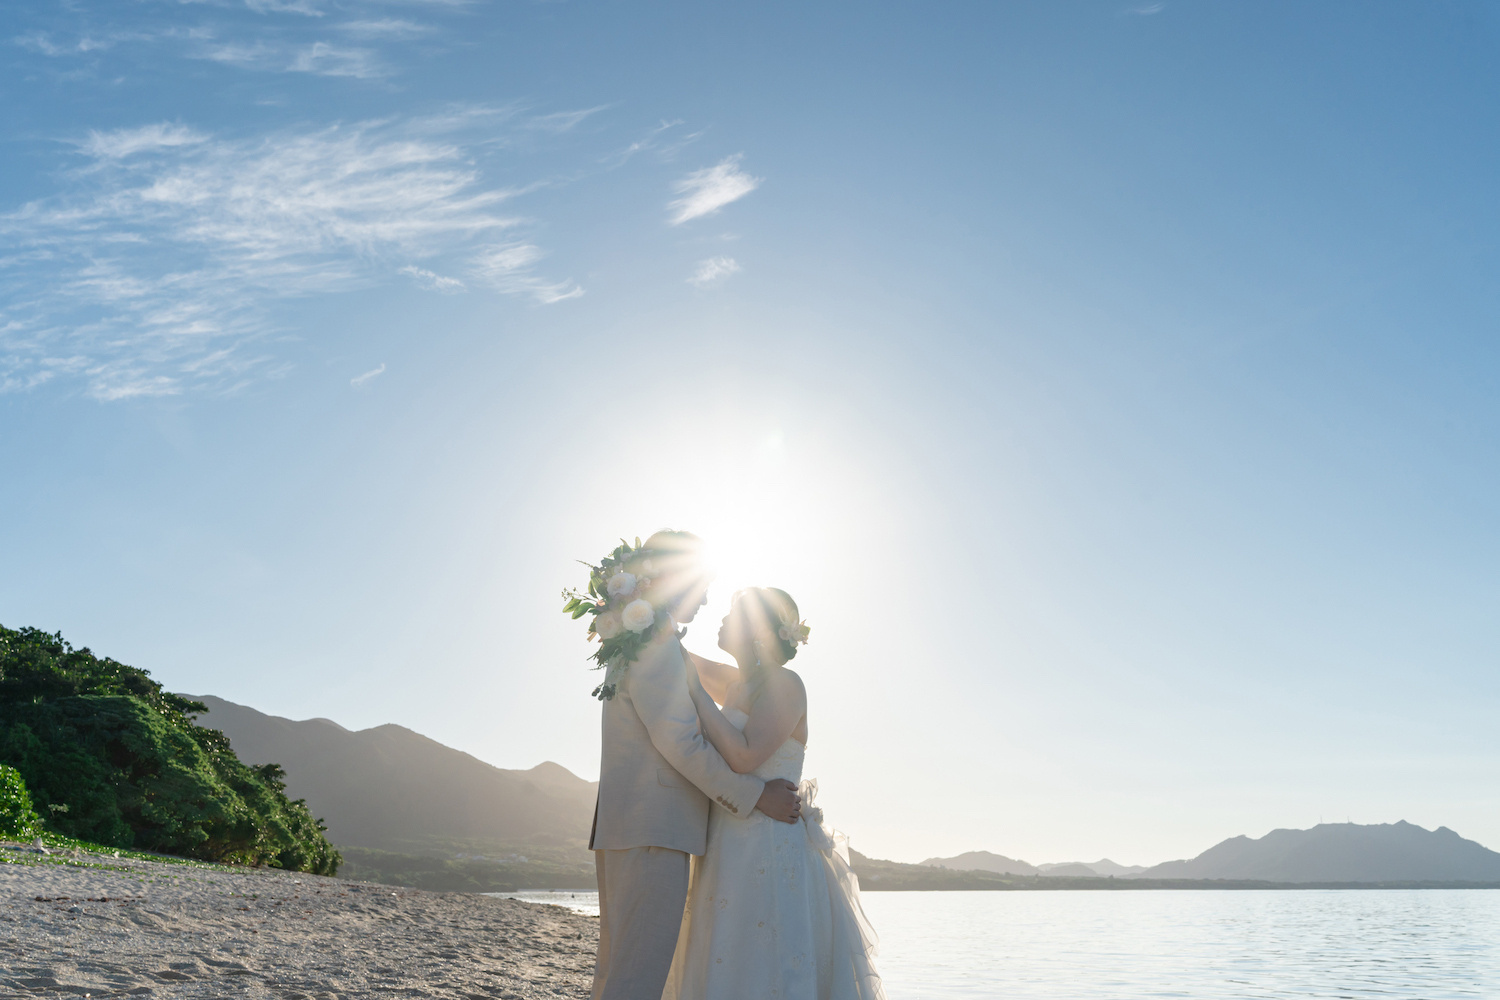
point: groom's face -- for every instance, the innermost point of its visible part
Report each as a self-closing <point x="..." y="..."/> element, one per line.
<point x="695" y="597"/>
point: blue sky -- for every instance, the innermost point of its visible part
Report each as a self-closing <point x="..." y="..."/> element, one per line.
<point x="1114" y="385"/>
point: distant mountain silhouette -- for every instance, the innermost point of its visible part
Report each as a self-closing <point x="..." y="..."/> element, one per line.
<point x="1343" y="852"/>
<point x="1074" y="869"/>
<point x="389" y="787"/>
<point x="983" y="861"/>
<point x="1104" y="866"/>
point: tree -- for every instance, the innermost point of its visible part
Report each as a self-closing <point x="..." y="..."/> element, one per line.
<point x="115" y="759"/>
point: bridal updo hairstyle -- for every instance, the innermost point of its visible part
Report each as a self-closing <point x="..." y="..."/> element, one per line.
<point x="765" y="610"/>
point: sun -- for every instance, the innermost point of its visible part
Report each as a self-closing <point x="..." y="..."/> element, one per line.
<point x="752" y="512"/>
<point x="774" y="507"/>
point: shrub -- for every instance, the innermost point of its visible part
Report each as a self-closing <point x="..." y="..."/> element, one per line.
<point x="17" y="817"/>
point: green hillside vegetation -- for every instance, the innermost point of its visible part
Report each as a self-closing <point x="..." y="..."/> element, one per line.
<point x="111" y="758"/>
<point x="18" y="817"/>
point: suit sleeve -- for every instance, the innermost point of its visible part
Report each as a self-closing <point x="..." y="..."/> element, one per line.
<point x="658" y="688"/>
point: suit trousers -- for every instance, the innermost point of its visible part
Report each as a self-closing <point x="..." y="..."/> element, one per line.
<point x="642" y="892"/>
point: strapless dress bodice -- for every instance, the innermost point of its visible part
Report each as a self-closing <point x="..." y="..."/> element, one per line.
<point x="786" y="762"/>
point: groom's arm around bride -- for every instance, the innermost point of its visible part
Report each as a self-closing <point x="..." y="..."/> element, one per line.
<point x="665" y="705"/>
<point x="657" y="761"/>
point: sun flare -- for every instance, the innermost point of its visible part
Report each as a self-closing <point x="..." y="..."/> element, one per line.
<point x="759" y="515"/>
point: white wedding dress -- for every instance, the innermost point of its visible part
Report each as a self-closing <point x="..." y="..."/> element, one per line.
<point x="773" y="910"/>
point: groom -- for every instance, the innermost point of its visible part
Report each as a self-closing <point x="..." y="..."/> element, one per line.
<point x="656" y="781"/>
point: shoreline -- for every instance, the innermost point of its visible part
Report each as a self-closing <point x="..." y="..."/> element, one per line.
<point x="96" y="924"/>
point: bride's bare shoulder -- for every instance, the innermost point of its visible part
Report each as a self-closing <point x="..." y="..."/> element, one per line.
<point x="787" y="684"/>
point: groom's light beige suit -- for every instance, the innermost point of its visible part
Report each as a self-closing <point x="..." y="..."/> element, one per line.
<point x="656" y="779"/>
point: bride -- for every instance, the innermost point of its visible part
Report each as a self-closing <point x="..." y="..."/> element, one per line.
<point x="773" y="910"/>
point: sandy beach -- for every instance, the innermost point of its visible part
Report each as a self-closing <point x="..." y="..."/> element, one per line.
<point x="74" y="923"/>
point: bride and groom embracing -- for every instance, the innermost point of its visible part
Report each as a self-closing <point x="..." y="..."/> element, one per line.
<point x="717" y="879"/>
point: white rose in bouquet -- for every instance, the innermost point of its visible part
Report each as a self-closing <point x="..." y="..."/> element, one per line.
<point x="620" y="584"/>
<point x="638" y="616"/>
<point x="607" y="625"/>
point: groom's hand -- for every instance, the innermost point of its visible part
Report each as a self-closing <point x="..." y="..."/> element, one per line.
<point x="779" y="801"/>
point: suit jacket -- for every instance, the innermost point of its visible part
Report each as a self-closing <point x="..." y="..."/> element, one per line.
<point x="658" y="773"/>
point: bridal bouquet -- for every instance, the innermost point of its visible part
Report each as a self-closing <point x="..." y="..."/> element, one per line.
<point x="624" y="617"/>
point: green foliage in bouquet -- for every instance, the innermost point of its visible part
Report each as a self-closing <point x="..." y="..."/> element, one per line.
<point x="119" y="761"/>
<point x="624" y="618"/>
<point x="18" y="819"/>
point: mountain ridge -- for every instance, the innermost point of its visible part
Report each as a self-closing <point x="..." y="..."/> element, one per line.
<point x="389" y="787"/>
<point x="1342" y="852"/>
<point x="984" y="861"/>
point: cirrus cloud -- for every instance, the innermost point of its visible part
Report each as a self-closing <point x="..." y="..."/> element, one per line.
<point x="713" y="270"/>
<point x="710" y="189"/>
<point x="360" y="381"/>
<point x="157" y="268"/>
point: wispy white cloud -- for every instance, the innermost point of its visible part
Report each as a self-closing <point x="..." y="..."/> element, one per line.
<point x="251" y="55"/>
<point x="160" y="264"/>
<point x="391" y="28"/>
<point x="119" y="143"/>
<point x="658" y="140"/>
<point x="508" y="268"/>
<point x="561" y="121"/>
<point x="713" y="270"/>
<point x="305" y="7"/>
<point x="295" y="36"/>
<point x="92" y="38"/>
<point x="374" y="373"/>
<point x="710" y="189"/>
<point x="115" y="382"/>
<point x="27" y="373"/>
<point x="1147" y="9"/>
<point x="320" y="58"/>
<point x="431" y="280"/>
<point x="332" y="60"/>
<point x="40" y="41"/>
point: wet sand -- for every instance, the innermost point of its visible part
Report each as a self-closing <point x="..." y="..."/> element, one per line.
<point x="95" y="925"/>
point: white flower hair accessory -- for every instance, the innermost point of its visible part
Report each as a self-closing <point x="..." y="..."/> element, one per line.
<point x="794" y="632"/>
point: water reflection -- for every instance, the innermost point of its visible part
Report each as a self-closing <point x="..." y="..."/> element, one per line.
<point x="1204" y="945"/>
<point x="1390" y="945"/>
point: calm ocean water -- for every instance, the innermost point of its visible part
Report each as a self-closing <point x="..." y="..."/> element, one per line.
<point x="1201" y="945"/>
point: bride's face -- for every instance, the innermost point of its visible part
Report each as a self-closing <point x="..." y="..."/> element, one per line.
<point x="734" y="638"/>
